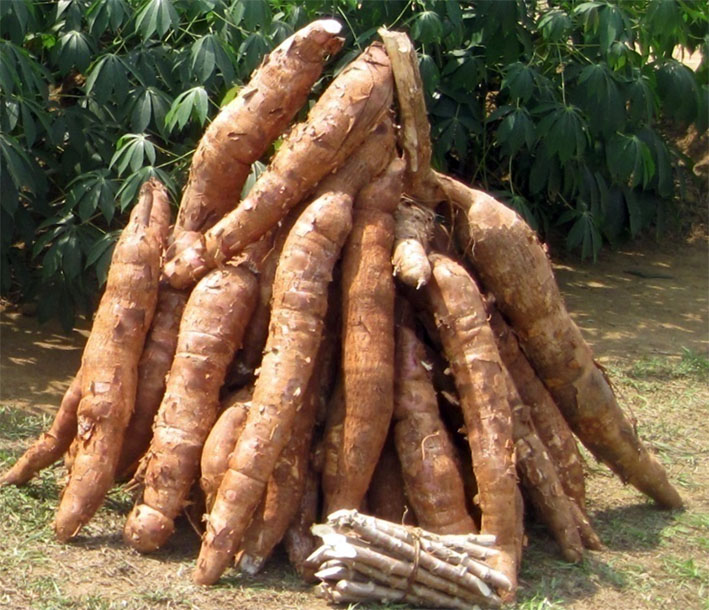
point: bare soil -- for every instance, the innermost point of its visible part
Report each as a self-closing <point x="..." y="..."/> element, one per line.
<point x="639" y="305"/>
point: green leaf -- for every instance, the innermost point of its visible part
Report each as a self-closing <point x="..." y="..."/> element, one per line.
<point x="256" y="15"/>
<point x="257" y="168"/>
<point x="100" y="246"/>
<point x="641" y="100"/>
<point x="610" y="26"/>
<point x="588" y="12"/>
<point x="662" y="179"/>
<point x="664" y="22"/>
<point x="629" y="160"/>
<point x="678" y="91"/>
<point x="19" y="71"/>
<point x="585" y="233"/>
<point x="156" y="16"/>
<point x="71" y="255"/>
<point x="73" y="50"/>
<point x="564" y="132"/>
<point x="599" y="95"/>
<point x="519" y="81"/>
<point x="515" y="131"/>
<point x="103" y="14"/>
<point x="191" y="103"/>
<point x="429" y="73"/>
<point x="91" y="191"/>
<point x="28" y="125"/>
<point x="108" y="79"/>
<point x="554" y="25"/>
<point x="463" y="70"/>
<point x="131" y="150"/>
<point x="253" y="50"/>
<point x="129" y="189"/>
<point x="427" y="27"/>
<point x="15" y="17"/>
<point x="206" y="55"/>
<point x="23" y="173"/>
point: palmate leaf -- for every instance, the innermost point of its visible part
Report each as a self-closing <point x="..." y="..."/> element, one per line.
<point x="129" y="189"/>
<point x="108" y="79"/>
<point x="256" y="14"/>
<point x="156" y="16"/>
<point x="252" y="51"/>
<point x="588" y="12"/>
<point x="73" y="50"/>
<point x="611" y="25"/>
<point x="564" y="131"/>
<point x="519" y="81"/>
<point x="629" y="160"/>
<point x="662" y="179"/>
<point x="429" y="73"/>
<point x="641" y="99"/>
<point x="20" y="72"/>
<point x="464" y="70"/>
<point x="515" y="131"/>
<point x="677" y="87"/>
<point x="584" y="234"/>
<point x="427" y="27"/>
<point x="554" y="25"/>
<point x="132" y="150"/>
<point x="149" y="104"/>
<point x="191" y="103"/>
<point x="105" y="14"/>
<point x="664" y="24"/>
<point x="16" y="16"/>
<point x="599" y="95"/>
<point x="23" y="173"/>
<point x="206" y="55"/>
<point x="91" y="191"/>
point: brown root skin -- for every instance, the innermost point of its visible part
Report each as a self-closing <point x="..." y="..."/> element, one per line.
<point x="434" y="484"/>
<point x="248" y="358"/>
<point x="338" y="123"/>
<point x="244" y="129"/>
<point x="153" y="368"/>
<point x="541" y="481"/>
<point x="386" y="497"/>
<point x="548" y="421"/>
<point x="327" y="454"/>
<point x="221" y="440"/>
<point x="367" y="337"/>
<point x="414" y="227"/>
<point x="283" y="492"/>
<point x="110" y="360"/>
<point x="51" y="445"/>
<point x="415" y="131"/>
<point x="298" y="311"/>
<point x="211" y="329"/>
<point x="287" y="483"/>
<point x="154" y="529"/>
<point x="470" y="348"/>
<point x="527" y="294"/>
<point x="299" y="540"/>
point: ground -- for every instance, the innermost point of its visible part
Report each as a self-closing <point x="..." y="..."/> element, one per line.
<point x="645" y="310"/>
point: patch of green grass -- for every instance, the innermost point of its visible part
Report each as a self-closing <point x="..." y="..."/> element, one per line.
<point x="691" y="365"/>
<point x="18" y="425"/>
<point x="685" y="569"/>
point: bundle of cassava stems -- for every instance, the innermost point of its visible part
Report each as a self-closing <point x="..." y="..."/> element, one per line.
<point x="325" y="344"/>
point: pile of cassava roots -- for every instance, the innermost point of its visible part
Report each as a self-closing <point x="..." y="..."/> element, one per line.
<point x="358" y="332"/>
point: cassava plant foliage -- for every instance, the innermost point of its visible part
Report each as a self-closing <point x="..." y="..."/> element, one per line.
<point x="554" y="106"/>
